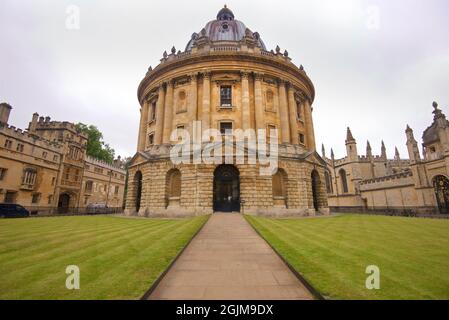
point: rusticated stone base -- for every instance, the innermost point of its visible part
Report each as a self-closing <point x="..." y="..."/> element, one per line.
<point x="196" y="195"/>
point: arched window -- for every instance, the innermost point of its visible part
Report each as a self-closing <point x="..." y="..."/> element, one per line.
<point x="138" y="189"/>
<point x="343" y="181"/>
<point x="441" y="187"/>
<point x="329" y="186"/>
<point x="278" y="184"/>
<point x="279" y="187"/>
<point x="269" y="96"/>
<point x="316" y="189"/>
<point x="174" y="184"/>
<point x="182" y="102"/>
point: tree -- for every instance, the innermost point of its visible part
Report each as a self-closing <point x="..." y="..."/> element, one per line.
<point x="96" y="147"/>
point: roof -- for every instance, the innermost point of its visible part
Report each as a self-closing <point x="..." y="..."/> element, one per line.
<point x="225" y="28"/>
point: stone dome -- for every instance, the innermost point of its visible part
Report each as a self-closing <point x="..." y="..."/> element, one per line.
<point x="225" y="28"/>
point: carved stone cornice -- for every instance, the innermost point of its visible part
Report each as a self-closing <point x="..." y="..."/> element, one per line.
<point x="170" y="83"/>
<point x="193" y="77"/>
<point x="300" y="79"/>
<point x="244" y="74"/>
<point x="206" y="74"/>
<point x="258" y="76"/>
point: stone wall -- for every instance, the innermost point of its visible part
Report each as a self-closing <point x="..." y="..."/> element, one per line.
<point x="197" y="190"/>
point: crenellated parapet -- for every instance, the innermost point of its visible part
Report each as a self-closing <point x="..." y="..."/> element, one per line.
<point x="103" y="164"/>
<point x="27" y="137"/>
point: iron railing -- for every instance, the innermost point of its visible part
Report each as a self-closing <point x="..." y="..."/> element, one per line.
<point x="52" y="211"/>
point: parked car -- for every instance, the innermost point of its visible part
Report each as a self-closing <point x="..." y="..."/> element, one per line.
<point x="13" y="211"/>
<point x="97" y="206"/>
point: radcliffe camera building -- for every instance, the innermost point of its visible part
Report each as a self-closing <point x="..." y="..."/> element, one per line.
<point x="46" y="168"/>
<point x="227" y="79"/>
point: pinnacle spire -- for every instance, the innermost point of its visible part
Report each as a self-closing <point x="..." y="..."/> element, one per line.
<point x="323" y="150"/>
<point x="369" y="152"/>
<point x="349" y="136"/>
<point x="396" y="154"/>
<point x="384" y="150"/>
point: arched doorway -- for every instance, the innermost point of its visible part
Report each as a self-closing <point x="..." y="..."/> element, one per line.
<point x="316" y="184"/>
<point x="138" y="186"/>
<point x="441" y="186"/>
<point x="226" y="189"/>
<point x="63" y="203"/>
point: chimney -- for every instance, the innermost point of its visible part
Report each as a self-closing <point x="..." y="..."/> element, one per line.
<point x="33" y="124"/>
<point x="5" y="110"/>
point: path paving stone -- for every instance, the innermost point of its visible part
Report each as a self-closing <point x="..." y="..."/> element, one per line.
<point x="228" y="260"/>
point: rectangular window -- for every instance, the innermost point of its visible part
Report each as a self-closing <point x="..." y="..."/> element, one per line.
<point x="117" y="188"/>
<point x="226" y="96"/>
<point x="8" y="144"/>
<point x="50" y="199"/>
<point x="36" y="198"/>
<point x="10" y="197"/>
<point x="151" y="139"/>
<point x="89" y="186"/>
<point x="29" y="177"/>
<point x="2" y="173"/>
<point x="153" y="111"/>
<point x="55" y="158"/>
<point x="53" y="181"/>
<point x="302" y="139"/>
<point x="226" y="128"/>
<point x="19" y="147"/>
<point x="44" y="155"/>
<point x="298" y="110"/>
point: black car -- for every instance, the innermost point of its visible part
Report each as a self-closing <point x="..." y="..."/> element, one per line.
<point x="13" y="211"/>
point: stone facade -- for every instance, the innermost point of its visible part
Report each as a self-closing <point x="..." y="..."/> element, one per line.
<point x="46" y="167"/>
<point x="226" y="77"/>
<point x="375" y="183"/>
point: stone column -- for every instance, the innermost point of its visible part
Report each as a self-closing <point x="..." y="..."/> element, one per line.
<point x="143" y="127"/>
<point x="260" y="112"/>
<point x="246" y="121"/>
<point x="293" y="115"/>
<point x="205" y="115"/>
<point x="160" y="116"/>
<point x="193" y="107"/>
<point x="283" y="113"/>
<point x="309" y="125"/>
<point x="168" y="113"/>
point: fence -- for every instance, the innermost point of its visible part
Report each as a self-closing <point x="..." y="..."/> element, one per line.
<point x="422" y="212"/>
<point x="52" y="211"/>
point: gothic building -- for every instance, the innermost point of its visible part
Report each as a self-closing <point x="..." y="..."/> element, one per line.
<point x="45" y="168"/>
<point x="226" y="79"/>
<point x="375" y="183"/>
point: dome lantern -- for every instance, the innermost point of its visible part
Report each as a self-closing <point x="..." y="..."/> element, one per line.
<point x="225" y="14"/>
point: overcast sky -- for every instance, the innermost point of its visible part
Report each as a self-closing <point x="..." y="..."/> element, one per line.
<point x="376" y="65"/>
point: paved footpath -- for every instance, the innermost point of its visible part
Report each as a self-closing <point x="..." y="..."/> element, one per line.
<point x="228" y="260"/>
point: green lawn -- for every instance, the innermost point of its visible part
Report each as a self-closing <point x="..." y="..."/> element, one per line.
<point x="333" y="253"/>
<point x="119" y="258"/>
